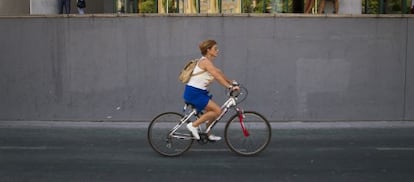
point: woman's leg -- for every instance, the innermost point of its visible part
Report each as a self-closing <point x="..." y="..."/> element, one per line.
<point x="212" y="112"/>
<point x="61" y="4"/>
<point x="309" y="5"/>
<point x="336" y="6"/>
<point x="67" y="6"/>
<point x="321" y="8"/>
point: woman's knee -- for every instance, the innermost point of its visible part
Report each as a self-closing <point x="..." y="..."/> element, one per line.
<point x="214" y="109"/>
<point x="217" y="113"/>
<point x="214" y="112"/>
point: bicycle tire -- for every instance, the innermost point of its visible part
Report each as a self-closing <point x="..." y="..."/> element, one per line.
<point x="259" y="134"/>
<point x="158" y="131"/>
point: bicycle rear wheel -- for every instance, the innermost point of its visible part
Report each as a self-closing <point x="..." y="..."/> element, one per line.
<point x="249" y="137"/>
<point x="160" y="140"/>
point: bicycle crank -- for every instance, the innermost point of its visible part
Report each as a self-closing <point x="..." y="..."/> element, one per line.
<point x="203" y="139"/>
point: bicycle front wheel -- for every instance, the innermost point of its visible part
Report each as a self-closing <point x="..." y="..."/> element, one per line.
<point x="248" y="136"/>
<point x="159" y="135"/>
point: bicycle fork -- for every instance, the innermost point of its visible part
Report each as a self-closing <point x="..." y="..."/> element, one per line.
<point x="240" y="113"/>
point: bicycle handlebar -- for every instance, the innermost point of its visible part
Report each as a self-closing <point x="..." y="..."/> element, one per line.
<point x="242" y="91"/>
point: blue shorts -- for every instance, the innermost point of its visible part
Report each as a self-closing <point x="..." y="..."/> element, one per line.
<point x="197" y="97"/>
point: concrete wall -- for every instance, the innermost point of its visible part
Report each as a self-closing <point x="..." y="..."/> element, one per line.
<point x="125" y="68"/>
<point x="15" y="7"/>
<point x="409" y="91"/>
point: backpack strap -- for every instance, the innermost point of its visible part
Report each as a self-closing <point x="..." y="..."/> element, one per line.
<point x="199" y="73"/>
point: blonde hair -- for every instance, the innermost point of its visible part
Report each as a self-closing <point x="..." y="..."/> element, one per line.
<point x="206" y="45"/>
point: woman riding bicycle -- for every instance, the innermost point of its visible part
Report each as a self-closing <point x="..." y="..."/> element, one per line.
<point x="196" y="90"/>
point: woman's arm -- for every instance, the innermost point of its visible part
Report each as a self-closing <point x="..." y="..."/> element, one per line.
<point x="217" y="73"/>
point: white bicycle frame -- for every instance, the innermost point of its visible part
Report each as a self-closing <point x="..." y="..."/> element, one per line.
<point x="231" y="102"/>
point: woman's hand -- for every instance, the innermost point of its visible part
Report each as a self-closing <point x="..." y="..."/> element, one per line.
<point x="234" y="86"/>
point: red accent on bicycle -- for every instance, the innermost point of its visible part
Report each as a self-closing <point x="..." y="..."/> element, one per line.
<point x="245" y="132"/>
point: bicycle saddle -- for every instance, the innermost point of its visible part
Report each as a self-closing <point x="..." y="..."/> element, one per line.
<point x="192" y="107"/>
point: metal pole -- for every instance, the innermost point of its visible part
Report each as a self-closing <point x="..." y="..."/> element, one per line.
<point x="220" y="6"/>
<point x="198" y="6"/>
<point x="135" y="6"/>
<point x="178" y="6"/>
<point x="156" y="6"/>
<point x="286" y="6"/>
<point x="381" y="7"/>
<point x="404" y="6"/>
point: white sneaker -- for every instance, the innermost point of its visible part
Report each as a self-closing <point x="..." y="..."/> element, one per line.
<point x="214" y="137"/>
<point x="193" y="130"/>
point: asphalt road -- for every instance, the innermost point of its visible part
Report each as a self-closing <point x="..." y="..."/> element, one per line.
<point x="105" y="151"/>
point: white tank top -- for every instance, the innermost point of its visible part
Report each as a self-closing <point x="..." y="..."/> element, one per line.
<point x="202" y="80"/>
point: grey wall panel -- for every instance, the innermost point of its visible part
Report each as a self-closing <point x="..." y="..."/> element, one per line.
<point x="409" y="92"/>
<point x="125" y="68"/>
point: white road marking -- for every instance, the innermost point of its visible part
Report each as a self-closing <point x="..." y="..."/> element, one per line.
<point x="29" y="148"/>
<point x="210" y="150"/>
<point x="395" y="148"/>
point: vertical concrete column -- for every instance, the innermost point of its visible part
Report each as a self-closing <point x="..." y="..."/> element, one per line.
<point x="161" y="7"/>
<point x="350" y="7"/>
<point x="190" y="6"/>
<point x="44" y="7"/>
<point x="213" y="6"/>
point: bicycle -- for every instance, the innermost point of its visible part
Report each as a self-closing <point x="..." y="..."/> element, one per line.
<point x="246" y="133"/>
